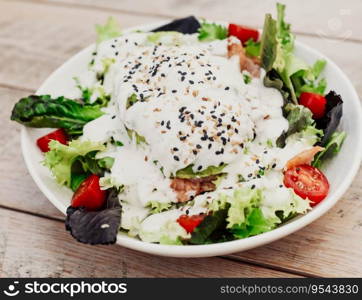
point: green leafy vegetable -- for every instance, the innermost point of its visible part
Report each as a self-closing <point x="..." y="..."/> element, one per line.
<point x="157" y="207"/>
<point x="139" y="138"/>
<point x="106" y="162"/>
<point x="131" y="100"/>
<point x="60" y="158"/>
<point x="47" y="112"/>
<point x="247" y="78"/>
<point x="211" y="31"/>
<point x="268" y="43"/>
<point x="189" y="173"/>
<point x="76" y="180"/>
<point x="252" y="48"/>
<point x="211" y="229"/>
<point x="299" y="118"/>
<point x="255" y="223"/>
<point x="108" y="31"/>
<point x="333" y="146"/>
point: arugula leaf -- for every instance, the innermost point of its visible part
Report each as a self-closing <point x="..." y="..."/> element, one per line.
<point x="213" y="223"/>
<point x="186" y="25"/>
<point x="188" y="171"/>
<point x="108" y="31"/>
<point x="252" y="48"/>
<point x="299" y="118"/>
<point x="332" y="116"/>
<point x="211" y="31"/>
<point x="332" y="147"/>
<point x="44" y="111"/>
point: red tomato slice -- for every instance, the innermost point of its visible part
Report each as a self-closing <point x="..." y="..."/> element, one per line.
<point x="315" y="102"/>
<point x="89" y="194"/>
<point x="58" y="135"/>
<point x="243" y="33"/>
<point x="307" y="182"/>
<point x="190" y="222"/>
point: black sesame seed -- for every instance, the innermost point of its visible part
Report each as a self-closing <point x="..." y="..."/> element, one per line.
<point x="199" y="168"/>
<point x="227" y="88"/>
<point x="175" y="149"/>
<point x="257" y="161"/>
<point x="194" y="152"/>
<point x="198" y="146"/>
<point x="162" y="122"/>
<point x="209" y="146"/>
<point x="253" y="186"/>
<point x="174" y="91"/>
<point x="191" y="81"/>
<point x="176" y="158"/>
<point x="113" y="117"/>
<point x="274" y="165"/>
<point x="280" y="185"/>
<point x="250" y="175"/>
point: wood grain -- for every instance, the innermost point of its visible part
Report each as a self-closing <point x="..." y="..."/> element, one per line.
<point x="29" y="247"/>
<point x="337" y="19"/>
<point x="29" y="53"/>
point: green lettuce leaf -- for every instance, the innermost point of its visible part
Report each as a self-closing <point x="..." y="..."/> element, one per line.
<point x="209" y="171"/>
<point x="60" y="158"/>
<point x="332" y="147"/>
<point x="268" y="43"/>
<point x="157" y="207"/>
<point x="211" y="31"/>
<point x="131" y="100"/>
<point x="44" y="111"/>
<point x="252" y="48"/>
<point x="108" y="31"/>
<point x="255" y="223"/>
<point x="299" y="118"/>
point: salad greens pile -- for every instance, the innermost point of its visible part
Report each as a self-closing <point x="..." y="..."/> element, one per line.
<point x="231" y="216"/>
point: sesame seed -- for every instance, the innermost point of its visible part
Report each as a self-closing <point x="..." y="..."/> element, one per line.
<point x="175" y="149"/>
<point x="274" y="165"/>
<point x="198" y="146"/>
<point x="176" y="158"/>
<point x="174" y="91"/>
<point x="227" y="88"/>
<point x="199" y="168"/>
<point x="253" y="186"/>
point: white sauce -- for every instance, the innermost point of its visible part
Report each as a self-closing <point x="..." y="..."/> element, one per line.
<point x="193" y="108"/>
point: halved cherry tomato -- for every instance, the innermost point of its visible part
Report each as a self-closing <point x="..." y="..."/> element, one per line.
<point x="315" y="102"/>
<point x="307" y="182"/>
<point x="190" y="222"/>
<point x="58" y="135"/>
<point x="89" y="194"/>
<point x="243" y="33"/>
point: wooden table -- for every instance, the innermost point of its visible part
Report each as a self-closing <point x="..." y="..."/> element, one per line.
<point x="39" y="35"/>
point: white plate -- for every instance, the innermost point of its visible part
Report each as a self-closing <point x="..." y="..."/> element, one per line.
<point x="340" y="171"/>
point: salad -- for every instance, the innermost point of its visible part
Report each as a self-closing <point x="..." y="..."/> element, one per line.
<point x="192" y="133"/>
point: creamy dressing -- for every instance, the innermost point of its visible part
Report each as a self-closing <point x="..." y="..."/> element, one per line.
<point x="193" y="108"/>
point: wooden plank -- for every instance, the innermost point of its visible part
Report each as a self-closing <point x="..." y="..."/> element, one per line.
<point x="337" y="19"/>
<point x="36" y="39"/>
<point x="29" y="247"/>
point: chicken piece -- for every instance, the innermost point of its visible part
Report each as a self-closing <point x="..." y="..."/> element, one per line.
<point x="303" y="158"/>
<point x="187" y="189"/>
<point x="246" y="63"/>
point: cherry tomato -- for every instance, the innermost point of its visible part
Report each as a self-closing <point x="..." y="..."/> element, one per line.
<point x="307" y="182"/>
<point x="315" y="102"/>
<point x="243" y="33"/>
<point x="89" y="194"/>
<point x="190" y="222"/>
<point x="58" y="135"/>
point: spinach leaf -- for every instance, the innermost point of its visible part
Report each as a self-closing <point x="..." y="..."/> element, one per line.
<point x="44" y="111"/>
<point x="212" y="224"/>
